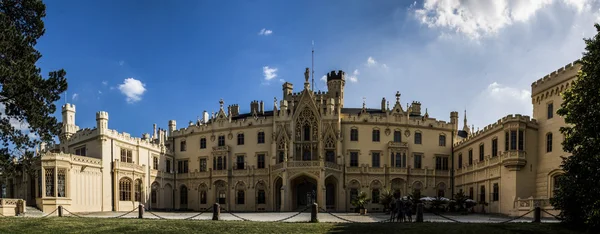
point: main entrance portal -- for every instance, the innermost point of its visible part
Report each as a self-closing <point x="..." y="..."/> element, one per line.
<point x="305" y="192"/>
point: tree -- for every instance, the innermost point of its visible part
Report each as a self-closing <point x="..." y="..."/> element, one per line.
<point x="26" y="98"/>
<point x="578" y="196"/>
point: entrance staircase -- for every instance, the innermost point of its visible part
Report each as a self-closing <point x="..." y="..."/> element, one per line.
<point x="31" y="211"/>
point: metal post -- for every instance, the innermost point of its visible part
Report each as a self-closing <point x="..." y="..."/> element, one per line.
<point x="537" y="214"/>
<point x="313" y="213"/>
<point x="216" y="211"/>
<point x="140" y="211"/>
<point x="60" y="211"/>
<point x="419" y="213"/>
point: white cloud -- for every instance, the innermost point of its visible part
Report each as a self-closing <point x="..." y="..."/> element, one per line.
<point x="265" y="32"/>
<point x="75" y="97"/>
<point x="19" y="125"/>
<point x="121" y="63"/>
<point x="99" y="92"/>
<point x="269" y="72"/>
<point x="133" y="89"/>
<point x="476" y="18"/>
<point x="371" y="61"/>
<point x="497" y="101"/>
<point x="354" y="77"/>
<point x="324" y="78"/>
<point x="282" y="80"/>
<point x="104" y="82"/>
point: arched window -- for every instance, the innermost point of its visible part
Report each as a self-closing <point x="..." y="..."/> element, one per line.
<point x="203" y="197"/>
<point x="183" y="195"/>
<point x="222" y="197"/>
<point x="240" y="197"/>
<point x="125" y="189"/>
<point x="154" y="193"/>
<point x="307" y="132"/>
<point x="138" y="190"/>
<point x="549" y="142"/>
<point x="556" y="183"/>
<point x="397" y="136"/>
<point x="482" y="194"/>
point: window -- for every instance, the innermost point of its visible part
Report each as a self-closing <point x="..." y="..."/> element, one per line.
<point x="495" y="194"/>
<point x="521" y="139"/>
<point x="125" y="189"/>
<point x="330" y="156"/>
<point x="281" y="157"/>
<point x="460" y="162"/>
<point x="513" y="140"/>
<point x="441" y="163"/>
<point x="182" y="146"/>
<point x="555" y="183"/>
<point x="441" y="192"/>
<point x="183" y="195"/>
<point x="482" y="194"/>
<point x="494" y="147"/>
<point x="375" y="196"/>
<point x="470" y="157"/>
<point x="222" y="197"/>
<point x="375" y="159"/>
<point x="262" y="198"/>
<point x="61" y="185"/>
<point x="49" y="182"/>
<point x="182" y="166"/>
<point x="471" y="193"/>
<point x="397" y="136"/>
<point x="260" y="161"/>
<point x="417" y="162"/>
<point x="240" y="139"/>
<point x="442" y="140"/>
<point x="203" y="164"/>
<point x="153" y="195"/>
<point x="202" y="197"/>
<point x="221" y="163"/>
<point x="203" y="143"/>
<point x="399" y="160"/>
<point x="306" y="133"/>
<point x="506" y="141"/>
<point x="80" y="151"/>
<point x="353" y="194"/>
<point x="240" y="197"/>
<point x="168" y="165"/>
<point x="155" y="163"/>
<point x="261" y="137"/>
<point x="354" y="134"/>
<point x="417" y="138"/>
<point x="126" y="155"/>
<point x="481" y="152"/>
<point x="376" y="135"/>
<point x="354" y="159"/>
<point x="239" y="162"/>
<point x="549" y="142"/>
<point x="550" y="110"/>
<point x="138" y="190"/>
<point x="221" y="141"/>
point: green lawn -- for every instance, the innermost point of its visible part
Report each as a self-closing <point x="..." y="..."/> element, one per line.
<point x="105" y="225"/>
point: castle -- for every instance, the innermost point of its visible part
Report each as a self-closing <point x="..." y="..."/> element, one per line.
<point x="308" y="148"/>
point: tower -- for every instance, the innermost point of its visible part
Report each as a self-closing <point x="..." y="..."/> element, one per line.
<point x="466" y="126"/>
<point x="288" y="88"/>
<point x="172" y="127"/>
<point x="335" y="85"/>
<point x="102" y="121"/>
<point x="68" y="122"/>
<point x="454" y="120"/>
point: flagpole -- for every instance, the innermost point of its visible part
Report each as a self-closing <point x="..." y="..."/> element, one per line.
<point x="313" y="65"/>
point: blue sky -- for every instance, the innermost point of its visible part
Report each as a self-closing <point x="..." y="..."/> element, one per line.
<point x="147" y="62"/>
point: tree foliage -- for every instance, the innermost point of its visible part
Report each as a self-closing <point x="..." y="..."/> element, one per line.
<point x="26" y="98"/>
<point x="578" y="196"/>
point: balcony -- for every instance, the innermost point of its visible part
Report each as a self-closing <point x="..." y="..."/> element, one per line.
<point x="353" y="170"/>
<point x="393" y="144"/>
<point x="219" y="173"/>
<point x="277" y="166"/>
<point x="514" y="160"/>
<point x="261" y="171"/>
<point x="398" y="170"/>
<point x="128" y="166"/>
<point x="303" y="164"/>
<point x="376" y="170"/>
<point x="417" y="171"/>
<point x="240" y="172"/>
<point x="224" y="148"/>
<point x="333" y="166"/>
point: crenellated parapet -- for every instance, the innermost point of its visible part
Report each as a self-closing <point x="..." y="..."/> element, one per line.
<point x="490" y="128"/>
<point x="127" y="138"/>
<point x="548" y="82"/>
<point x="339" y="75"/>
<point x="83" y="135"/>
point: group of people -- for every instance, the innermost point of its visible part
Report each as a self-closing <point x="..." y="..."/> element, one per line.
<point x="401" y="210"/>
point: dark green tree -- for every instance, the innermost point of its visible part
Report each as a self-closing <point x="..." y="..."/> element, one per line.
<point x="26" y="98"/>
<point x="578" y="196"/>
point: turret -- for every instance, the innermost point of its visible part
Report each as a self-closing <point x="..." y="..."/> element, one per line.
<point x="383" y="109"/>
<point x="335" y="85"/>
<point x="68" y="125"/>
<point x="288" y="88"/>
<point x="415" y="108"/>
<point x="172" y="127"/>
<point x="454" y="120"/>
<point x="102" y="121"/>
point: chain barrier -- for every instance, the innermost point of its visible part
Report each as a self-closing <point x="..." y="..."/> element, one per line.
<point x="158" y="216"/>
<point x="120" y="216"/>
<point x="448" y="218"/>
<point x="513" y="219"/>
<point x="50" y="213"/>
<point x="202" y="212"/>
<point x="284" y="219"/>
<point x="76" y="215"/>
<point x="352" y="221"/>
<point x="554" y="216"/>
<point x="234" y="215"/>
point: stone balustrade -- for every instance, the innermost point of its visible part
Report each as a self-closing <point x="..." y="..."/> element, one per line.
<point x="530" y="203"/>
<point x="334" y="166"/>
<point x="277" y="166"/>
<point x="304" y="164"/>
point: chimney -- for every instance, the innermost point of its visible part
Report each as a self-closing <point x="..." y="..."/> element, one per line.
<point x="262" y="108"/>
<point x="383" y="105"/>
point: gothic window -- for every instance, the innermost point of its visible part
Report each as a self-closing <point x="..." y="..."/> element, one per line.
<point x="353" y="194"/>
<point x="397" y="136"/>
<point x="496" y="191"/>
<point x="281" y="157"/>
<point x="221" y="141"/>
<point x="220" y="163"/>
<point x="203" y="143"/>
<point x="354" y="159"/>
<point x="222" y="197"/>
<point x="203" y="164"/>
<point x="375" y="159"/>
<point x="80" y="151"/>
<point x="182" y="146"/>
<point x="304" y="125"/>
<point x="126" y="155"/>
<point x="330" y="156"/>
<point x="442" y="140"/>
<point x="329" y="142"/>
<point x="153" y="194"/>
<point x="506" y="141"/>
<point x="155" y="163"/>
<point x="168" y="165"/>
<point x="240" y="197"/>
<point x="260" y="161"/>
<point x="550" y="110"/>
<point x="354" y="134"/>
<point x="513" y="140"/>
<point x="261" y="198"/>
<point x="125" y="189"/>
<point x="61" y="185"/>
<point x="482" y="194"/>
<point x="470" y="157"/>
<point x="306" y="134"/>
<point x="376" y="135"/>
<point x="183" y="166"/>
<point x="460" y="162"/>
<point x="494" y="147"/>
<point x="306" y="156"/>
<point x="183" y="195"/>
<point x="138" y="190"/>
<point x="203" y="197"/>
<point x="481" y="152"/>
<point x="375" y="196"/>
<point x="49" y="182"/>
<point x="240" y="139"/>
<point x="441" y="163"/>
<point x="418" y="138"/>
<point x="549" y="142"/>
<point x="261" y="137"/>
<point x="418" y="159"/>
<point x="521" y="139"/>
<point x="399" y="160"/>
<point x="471" y="193"/>
<point x="239" y="164"/>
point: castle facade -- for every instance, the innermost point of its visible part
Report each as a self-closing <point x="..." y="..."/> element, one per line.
<point x="308" y="148"/>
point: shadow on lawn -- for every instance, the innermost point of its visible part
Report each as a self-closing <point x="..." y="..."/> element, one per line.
<point x="452" y="228"/>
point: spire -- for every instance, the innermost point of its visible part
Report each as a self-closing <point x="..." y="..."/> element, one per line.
<point x="397" y="96"/>
<point x="466" y="126"/>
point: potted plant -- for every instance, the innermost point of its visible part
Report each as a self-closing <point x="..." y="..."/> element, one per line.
<point x="360" y="201"/>
<point x="386" y="198"/>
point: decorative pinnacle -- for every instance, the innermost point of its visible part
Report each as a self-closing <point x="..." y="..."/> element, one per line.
<point x="397" y="96"/>
<point x="221" y="102"/>
<point x="364" y="102"/>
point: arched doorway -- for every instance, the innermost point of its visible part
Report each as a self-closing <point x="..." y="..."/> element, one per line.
<point x="277" y="194"/>
<point x="304" y="191"/>
<point x="330" y="193"/>
<point x="154" y="195"/>
<point x="397" y="186"/>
